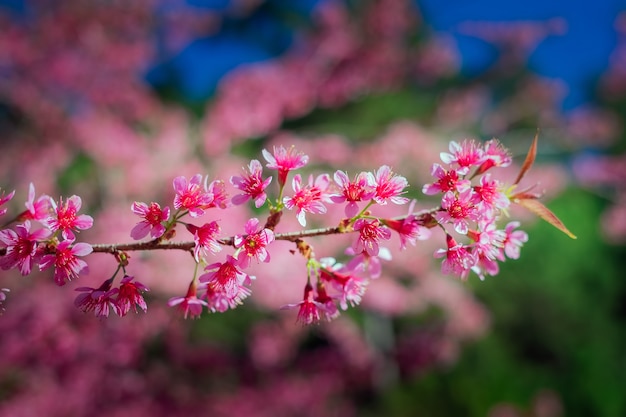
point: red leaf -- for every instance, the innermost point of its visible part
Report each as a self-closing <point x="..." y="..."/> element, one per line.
<point x="530" y="159"/>
<point x="542" y="211"/>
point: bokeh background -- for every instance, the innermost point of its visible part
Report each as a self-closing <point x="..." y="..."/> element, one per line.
<point x="112" y="99"/>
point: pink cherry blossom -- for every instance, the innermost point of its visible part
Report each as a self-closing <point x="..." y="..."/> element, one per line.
<point x="488" y="239"/>
<point x="99" y="300"/>
<point x="465" y="155"/>
<point x="218" y="301"/>
<point x="253" y="244"/>
<point x="513" y="241"/>
<point x="408" y="228"/>
<point x="67" y="217"/>
<point x="4" y="199"/>
<point x="489" y="197"/>
<point x="447" y="180"/>
<point x="387" y="186"/>
<point x="153" y="217"/>
<point x="205" y="238"/>
<point x="370" y="233"/>
<point x="285" y="160"/>
<point x="352" y="191"/>
<point x="192" y="195"/>
<point x="308" y="309"/>
<point x="130" y="296"/>
<point x="190" y="305"/>
<point x="496" y="155"/>
<point x="21" y="247"/>
<point x="221" y="199"/>
<point x="37" y="210"/>
<point x="329" y="310"/>
<point x="310" y="198"/>
<point x="65" y="260"/>
<point x="458" y="259"/>
<point x="458" y="210"/>
<point x="252" y="185"/>
<point x="350" y="285"/>
<point x="227" y="277"/>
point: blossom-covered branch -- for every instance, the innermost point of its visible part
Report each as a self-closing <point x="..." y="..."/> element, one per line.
<point x="473" y="203"/>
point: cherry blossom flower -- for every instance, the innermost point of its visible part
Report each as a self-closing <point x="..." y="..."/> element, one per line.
<point x="308" y="309"/>
<point x="489" y="196"/>
<point x="218" y="301"/>
<point x="4" y="199"/>
<point x="65" y="260"/>
<point x="99" y="300"/>
<point x="192" y="195"/>
<point x="513" y="241"/>
<point x="485" y="266"/>
<point x="370" y="265"/>
<point x="488" y="239"/>
<point x="447" y="180"/>
<point x="308" y="199"/>
<point x="190" y="304"/>
<point x="370" y="233"/>
<point x="67" y="217"/>
<point x="130" y="296"/>
<point x="329" y="310"/>
<point x="408" y="228"/>
<point x="285" y="160"/>
<point x="350" y="285"/>
<point x="205" y="238"/>
<point x="227" y="277"/>
<point x="464" y="155"/>
<point x="21" y="247"/>
<point x="153" y="217"/>
<point x="458" y="210"/>
<point x="352" y="191"/>
<point x="253" y="244"/>
<point x="221" y="199"/>
<point x="252" y="185"/>
<point x="37" y="210"/>
<point x="496" y="155"/>
<point x="387" y="186"/>
<point x="458" y="259"/>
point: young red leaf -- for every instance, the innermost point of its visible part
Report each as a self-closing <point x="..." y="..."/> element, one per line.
<point x="530" y="159"/>
<point x="542" y="211"/>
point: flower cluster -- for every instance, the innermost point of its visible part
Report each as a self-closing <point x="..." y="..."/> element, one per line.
<point x="472" y="204"/>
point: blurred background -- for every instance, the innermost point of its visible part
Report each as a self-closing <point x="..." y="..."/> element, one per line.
<point x="112" y="99"/>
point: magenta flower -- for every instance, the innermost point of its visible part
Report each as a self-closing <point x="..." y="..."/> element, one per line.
<point x="513" y="241"/>
<point x="329" y="308"/>
<point x="408" y="228"/>
<point x="37" y="210"/>
<point x="371" y="265"/>
<point x="387" y="186"/>
<point x="153" y="220"/>
<point x="370" y="233"/>
<point x="252" y="185"/>
<point x="352" y="191"/>
<point x="458" y="210"/>
<point x="446" y="181"/>
<point x="67" y="217"/>
<point x="496" y="155"/>
<point x="220" y="196"/>
<point x="466" y="155"/>
<point x="4" y="199"/>
<point x="351" y="286"/>
<point x="489" y="196"/>
<point x="65" y="261"/>
<point x="253" y="244"/>
<point x="308" y="199"/>
<point x="192" y="195"/>
<point x="308" y="309"/>
<point x="21" y="247"/>
<point x="190" y="305"/>
<point x="130" y="296"/>
<point x="285" y="160"/>
<point x="458" y="259"/>
<point x="219" y="301"/>
<point x="226" y="277"/>
<point x="488" y="240"/>
<point x="99" y="300"/>
<point x="205" y="238"/>
<point x="486" y="266"/>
